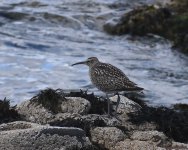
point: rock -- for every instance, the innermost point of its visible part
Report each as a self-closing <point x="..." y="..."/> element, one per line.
<point x="85" y="122"/>
<point x="126" y="105"/>
<point x="134" y="145"/>
<point x="125" y="108"/>
<point x="106" y="137"/>
<point x="151" y="140"/>
<point x="179" y="146"/>
<point x="140" y="21"/>
<point x="34" y="112"/>
<point x="156" y="137"/>
<point x="76" y="105"/>
<point x="26" y="136"/>
<point x="17" y="125"/>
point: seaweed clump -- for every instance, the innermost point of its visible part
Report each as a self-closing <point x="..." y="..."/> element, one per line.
<point x="140" y="21"/>
<point x="173" y="123"/>
<point x="50" y="99"/>
<point x="7" y="113"/>
<point x="181" y="107"/>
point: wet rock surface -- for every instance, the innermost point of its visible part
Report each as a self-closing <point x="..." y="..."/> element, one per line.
<point x="169" y="20"/>
<point x="78" y="126"/>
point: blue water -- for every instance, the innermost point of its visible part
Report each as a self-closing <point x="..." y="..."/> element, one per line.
<point x="37" y="49"/>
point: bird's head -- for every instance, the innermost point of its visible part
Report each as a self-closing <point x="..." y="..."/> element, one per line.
<point x="91" y="61"/>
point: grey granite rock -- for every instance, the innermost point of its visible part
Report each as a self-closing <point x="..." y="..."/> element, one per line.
<point x="22" y="136"/>
<point x="37" y="113"/>
<point x="106" y="137"/>
<point x="75" y="105"/>
<point x="130" y="144"/>
<point x="34" y="112"/>
<point x="126" y="105"/>
<point x="179" y="146"/>
<point x="17" y="125"/>
<point x="134" y="145"/>
<point x="158" y="138"/>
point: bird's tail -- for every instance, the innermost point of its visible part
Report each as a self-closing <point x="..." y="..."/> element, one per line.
<point x="139" y="88"/>
<point x="135" y="88"/>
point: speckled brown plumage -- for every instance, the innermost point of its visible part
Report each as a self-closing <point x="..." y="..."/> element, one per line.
<point x="110" y="79"/>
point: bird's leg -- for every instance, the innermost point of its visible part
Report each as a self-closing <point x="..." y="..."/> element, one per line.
<point x="118" y="100"/>
<point x="108" y="105"/>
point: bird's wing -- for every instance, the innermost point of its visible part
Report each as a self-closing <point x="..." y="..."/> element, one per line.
<point x="107" y="75"/>
<point x="113" y="72"/>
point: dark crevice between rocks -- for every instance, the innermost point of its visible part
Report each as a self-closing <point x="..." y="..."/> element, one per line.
<point x="82" y="123"/>
<point x="50" y="99"/>
<point x="173" y="123"/>
<point x="7" y="113"/>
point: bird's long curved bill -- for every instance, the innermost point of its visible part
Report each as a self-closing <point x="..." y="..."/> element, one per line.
<point x="79" y="63"/>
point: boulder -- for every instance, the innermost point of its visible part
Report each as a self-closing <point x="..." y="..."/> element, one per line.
<point x="76" y="105"/>
<point x="151" y="140"/>
<point x="106" y="137"/>
<point x="34" y="112"/>
<point x="135" y="145"/>
<point x="156" y="137"/>
<point x="29" y="136"/>
<point x="126" y="105"/>
<point x="179" y="146"/>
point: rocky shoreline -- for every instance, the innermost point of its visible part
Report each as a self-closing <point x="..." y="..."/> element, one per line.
<point x="78" y="120"/>
<point x="168" y="19"/>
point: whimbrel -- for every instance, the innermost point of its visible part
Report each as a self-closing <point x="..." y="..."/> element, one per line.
<point x="109" y="79"/>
